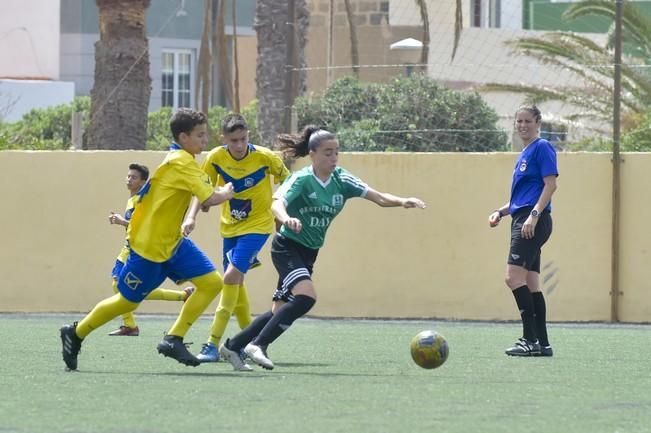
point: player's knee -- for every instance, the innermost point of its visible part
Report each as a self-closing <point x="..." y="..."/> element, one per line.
<point x="210" y="283"/>
<point x="124" y="305"/>
<point x="233" y="275"/>
<point x="514" y="281"/>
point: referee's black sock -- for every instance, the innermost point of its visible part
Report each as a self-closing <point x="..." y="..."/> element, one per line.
<point x="283" y="319"/>
<point x="540" y="310"/>
<point x="247" y="334"/>
<point x="525" y="304"/>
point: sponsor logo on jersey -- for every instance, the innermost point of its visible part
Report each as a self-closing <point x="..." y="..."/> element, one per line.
<point x="320" y="221"/>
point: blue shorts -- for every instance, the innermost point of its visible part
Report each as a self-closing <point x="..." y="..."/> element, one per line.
<point x="140" y="276"/>
<point x="117" y="268"/>
<point x="242" y="251"/>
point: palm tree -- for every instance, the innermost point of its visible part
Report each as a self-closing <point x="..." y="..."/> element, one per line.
<point x="236" y="70"/>
<point x="122" y="86"/>
<point x="203" y="87"/>
<point x="271" y="25"/>
<point x="424" y="17"/>
<point x="354" y="50"/>
<point x="592" y="63"/>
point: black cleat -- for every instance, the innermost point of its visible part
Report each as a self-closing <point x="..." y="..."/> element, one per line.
<point x="524" y="347"/>
<point x="545" y="351"/>
<point x="71" y="345"/>
<point x="174" y="347"/>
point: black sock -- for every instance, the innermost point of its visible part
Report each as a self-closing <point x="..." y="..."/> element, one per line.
<point x="525" y="304"/>
<point x="247" y="334"/>
<point x="540" y="310"/>
<point x="283" y="319"/>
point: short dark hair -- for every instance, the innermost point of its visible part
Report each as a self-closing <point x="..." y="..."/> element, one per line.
<point x="232" y="122"/>
<point x="184" y="120"/>
<point x="142" y="169"/>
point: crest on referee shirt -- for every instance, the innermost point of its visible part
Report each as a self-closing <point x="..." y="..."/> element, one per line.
<point x="523" y="165"/>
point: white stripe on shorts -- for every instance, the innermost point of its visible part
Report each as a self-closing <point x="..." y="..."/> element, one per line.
<point x="293" y="275"/>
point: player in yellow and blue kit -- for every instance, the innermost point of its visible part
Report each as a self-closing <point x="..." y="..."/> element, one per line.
<point x="136" y="178"/>
<point x="246" y="219"/>
<point x="158" y="249"/>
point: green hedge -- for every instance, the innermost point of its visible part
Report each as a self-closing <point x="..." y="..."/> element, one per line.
<point x="50" y="128"/>
<point x="412" y="114"/>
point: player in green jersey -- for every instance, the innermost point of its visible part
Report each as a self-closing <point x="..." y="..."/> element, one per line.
<point x="305" y="205"/>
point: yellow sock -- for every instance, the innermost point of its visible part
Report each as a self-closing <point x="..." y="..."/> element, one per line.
<point x="224" y="312"/>
<point x="161" y="294"/>
<point x="128" y="318"/>
<point x="242" y="309"/>
<point x="207" y="288"/>
<point x="104" y="311"/>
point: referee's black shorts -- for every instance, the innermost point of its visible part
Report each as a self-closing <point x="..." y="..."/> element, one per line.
<point x="294" y="262"/>
<point x="526" y="252"/>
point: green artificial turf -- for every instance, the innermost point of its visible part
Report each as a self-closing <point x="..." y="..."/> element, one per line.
<point x="350" y="376"/>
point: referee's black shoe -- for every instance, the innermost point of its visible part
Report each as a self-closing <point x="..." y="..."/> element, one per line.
<point x="545" y="351"/>
<point x="524" y="347"/>
<point x="174" y="347"/>
<point x="71" y="345"/>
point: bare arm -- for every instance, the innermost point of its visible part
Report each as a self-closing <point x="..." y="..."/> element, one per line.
<point x="385" y="199"/>
<point x="546" y="194"/>
<point x="280" y="213"/>
<point x="495" y="216"/>
<point x="220" y="195"/>
<point x="529" y="226"/>
<point x="191" y="218"/>
<point x="116" y="218"/>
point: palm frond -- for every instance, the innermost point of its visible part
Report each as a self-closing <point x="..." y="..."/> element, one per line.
<point x="637" y="24"/>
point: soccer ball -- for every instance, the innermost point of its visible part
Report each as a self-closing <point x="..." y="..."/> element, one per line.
<point x="429" y="349"/>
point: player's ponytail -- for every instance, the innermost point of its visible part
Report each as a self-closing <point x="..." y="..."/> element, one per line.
<point x="299" y="145"/>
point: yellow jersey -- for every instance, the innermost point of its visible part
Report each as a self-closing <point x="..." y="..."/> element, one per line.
<point x="155" y="227"/>
<point x="249" y="211"/>
<point x="131" y="204"/>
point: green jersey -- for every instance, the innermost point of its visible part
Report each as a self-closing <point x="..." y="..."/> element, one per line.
<point x="316" y="203"/>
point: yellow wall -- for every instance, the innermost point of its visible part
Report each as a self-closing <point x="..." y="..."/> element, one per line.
<point x="58" y="248"/>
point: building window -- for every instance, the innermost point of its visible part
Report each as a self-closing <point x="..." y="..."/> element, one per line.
<point x="176" y="86"/>
<point x="486" y="13"/>
<point x="494" y="12"/>
<point x="475" y="13"/>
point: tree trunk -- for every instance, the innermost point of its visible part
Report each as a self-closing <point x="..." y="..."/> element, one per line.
<point x="271" y="28"/>
<point x="354" y="50"/>
<point x="120" y="94"/>
<point x="236" y="76"/>
<point x="203" y="78"/>
<point x="220" y="42"/>
<point x="424" y="16"/>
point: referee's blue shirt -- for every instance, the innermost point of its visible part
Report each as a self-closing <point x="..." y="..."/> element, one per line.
<point x="537" y="161"/>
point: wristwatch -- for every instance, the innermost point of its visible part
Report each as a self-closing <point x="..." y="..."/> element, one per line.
<point x="535" y="213"/>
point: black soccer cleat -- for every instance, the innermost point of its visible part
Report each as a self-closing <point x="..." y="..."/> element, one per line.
<point x="71" y="345"/>
<point x="174" y="347"/>
<point x="545" y="351"/>
<point x="524" y="347"/>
